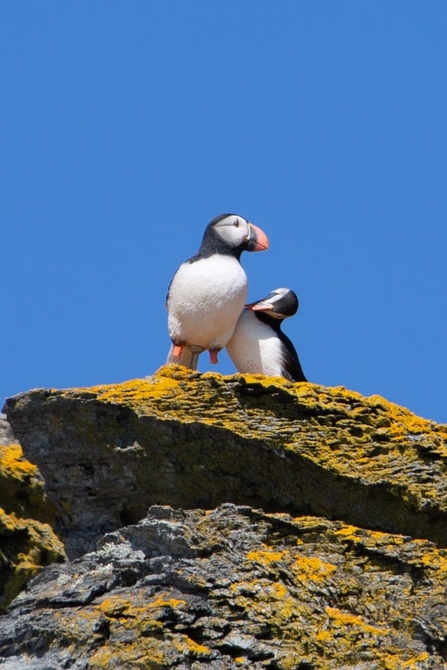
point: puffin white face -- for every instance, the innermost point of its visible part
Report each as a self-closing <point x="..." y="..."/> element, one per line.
<point x="233" y="229"/>
<point x="238" y="233"/>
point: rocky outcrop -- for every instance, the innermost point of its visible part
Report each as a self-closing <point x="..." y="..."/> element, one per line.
<point x="190" y="440"/>
<point x="27" y="541"/>
<point x="290" y="526"/>
<point x="236" y="588"/>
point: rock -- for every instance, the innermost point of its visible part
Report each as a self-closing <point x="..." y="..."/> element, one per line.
<point x="27" y="540"/>
<point x="22" y="489"/>
<point x="290" y="526"/>
<point x="25" y="546"/>
<point x="235" y="588"/>
<point x="198" y="440"/>
<point x="6" y="435"/>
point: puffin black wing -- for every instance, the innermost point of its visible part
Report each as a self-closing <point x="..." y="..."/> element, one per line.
<point x="292" y="363"/>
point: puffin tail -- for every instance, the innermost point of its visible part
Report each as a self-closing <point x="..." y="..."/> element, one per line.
<point x="189" y="359"/>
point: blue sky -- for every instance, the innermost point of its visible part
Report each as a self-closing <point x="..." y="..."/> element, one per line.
<point x="126" y="126"/>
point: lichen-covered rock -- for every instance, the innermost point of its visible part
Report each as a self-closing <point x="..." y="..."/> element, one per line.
<point x="235" y="588"/>
<point x="198" y="440"/>
<point x="27" y="541"/>
<point x="21" y="486"/>
<point x="25" y="546"/>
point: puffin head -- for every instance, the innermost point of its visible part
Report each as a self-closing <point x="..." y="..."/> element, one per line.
<point x="232" y="234"/>
<point x="278" y="304"/>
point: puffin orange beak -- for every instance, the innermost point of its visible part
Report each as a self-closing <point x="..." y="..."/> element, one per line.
<point x="260" y="306"/>
<point x="257" y="239"/>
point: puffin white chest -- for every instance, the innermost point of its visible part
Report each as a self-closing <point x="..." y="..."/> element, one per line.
<point x="255" y="347"/>
<point x="205" y="300"/>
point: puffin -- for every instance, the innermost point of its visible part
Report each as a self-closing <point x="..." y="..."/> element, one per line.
<point x="258" y="344"/>
<point x="207" y="293"/>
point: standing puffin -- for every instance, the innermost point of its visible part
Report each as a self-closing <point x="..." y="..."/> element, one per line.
<point x="258" y="344"/>
<point x="208" y="291"/>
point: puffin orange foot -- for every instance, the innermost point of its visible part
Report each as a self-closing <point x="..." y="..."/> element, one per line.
<point x="213" y="356"/>
<point x="177" y="350"/>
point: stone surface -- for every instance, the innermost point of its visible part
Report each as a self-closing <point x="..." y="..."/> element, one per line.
<point x="192" y="440"/>
<point x="6" y="434"/>
<point x="25" y="546"/>
<point x="27" y="541"/>
<point x="235" y="588"/>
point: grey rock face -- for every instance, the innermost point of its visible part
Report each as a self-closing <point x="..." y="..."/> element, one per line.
<point x="6" y="433"/>
<point x="234" y="588"/>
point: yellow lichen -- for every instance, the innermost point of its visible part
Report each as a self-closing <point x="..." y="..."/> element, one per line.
<point x="167" y="602"/>
<point x="8" y="522"/>
<point x="265" y="557"/>
<point x="312" y="568"/>
<point x="348" y="531"/>
<point x="323" y="636"/>
<point x="13" y="462"/>
<point x="137" y="390"/>
<point x="114" y="606"/>
<point x="359" y="535"/>
<point x="144" y="654"/>
<point x="286" y="610"/>
<point x="398" y="663"/>
<point x="305" y="568"/>
<point x="184" y="643"/>
<point x="275" y="590"/>
<point x="434" y="561"/>
<point x="340" y="618"/>
<point x="30" y="544"/>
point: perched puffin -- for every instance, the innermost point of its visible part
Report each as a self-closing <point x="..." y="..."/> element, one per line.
<point x="208" y="291"/>
<point x="258" y="344"/>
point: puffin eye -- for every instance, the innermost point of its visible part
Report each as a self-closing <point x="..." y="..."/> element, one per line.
<point x="236" y="223"/>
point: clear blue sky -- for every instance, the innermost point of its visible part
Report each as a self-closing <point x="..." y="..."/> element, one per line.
<point x="126" y="126"/>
